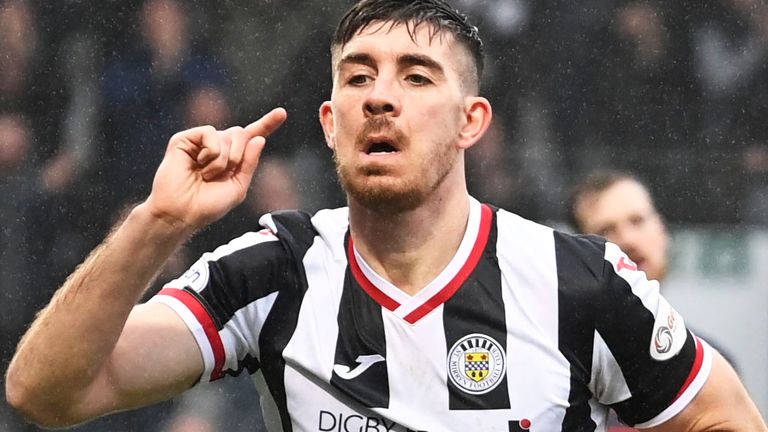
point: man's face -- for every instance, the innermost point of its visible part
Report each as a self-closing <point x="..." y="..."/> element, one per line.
<point x="624" y="214"/>
<point x="395" y="115"/>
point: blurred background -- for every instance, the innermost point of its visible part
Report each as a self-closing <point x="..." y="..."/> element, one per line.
<point x="675" y="92"/>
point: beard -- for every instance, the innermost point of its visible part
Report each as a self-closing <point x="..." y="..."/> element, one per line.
<point x="377" y="189"/>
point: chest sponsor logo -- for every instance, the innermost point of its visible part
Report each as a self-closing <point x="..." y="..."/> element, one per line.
<point x="345" y="422"/>
<point x="328" y="421"/>
<point x="364" y="362"/>
<point x="476" y="363"/>
<point x="669" y="333"/>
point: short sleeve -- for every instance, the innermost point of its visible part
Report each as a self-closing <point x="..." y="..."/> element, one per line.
<point x="225" y="298"/>
<point x="646" y="364"/>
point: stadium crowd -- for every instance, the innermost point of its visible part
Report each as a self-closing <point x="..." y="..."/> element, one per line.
<point x="90" y="92"/>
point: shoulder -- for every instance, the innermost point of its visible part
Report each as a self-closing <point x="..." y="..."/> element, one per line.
<point x="572" y="252"/>
<point x="300" y="230"/>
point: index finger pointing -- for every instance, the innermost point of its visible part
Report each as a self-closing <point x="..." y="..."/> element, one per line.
<point x="267" y="124"/>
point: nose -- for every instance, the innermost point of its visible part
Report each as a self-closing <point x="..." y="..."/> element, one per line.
<point x="378" y="108"/>
<point x="382" y="99"/>
<point x="627" y="239"/>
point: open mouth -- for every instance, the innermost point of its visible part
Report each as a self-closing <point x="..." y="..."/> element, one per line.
<point x="381" y="147"/>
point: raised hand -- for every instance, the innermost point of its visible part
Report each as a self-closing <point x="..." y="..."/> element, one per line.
<point x="206" y="172"/>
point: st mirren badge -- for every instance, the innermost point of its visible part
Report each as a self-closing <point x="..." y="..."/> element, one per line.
<point x="476" y="363"/>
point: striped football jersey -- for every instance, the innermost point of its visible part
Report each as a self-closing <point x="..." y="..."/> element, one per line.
<point x="526" y="329"/>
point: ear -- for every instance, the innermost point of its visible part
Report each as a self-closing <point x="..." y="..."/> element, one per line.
<point x="326" y="121"/>
<point x="477" y="119"/>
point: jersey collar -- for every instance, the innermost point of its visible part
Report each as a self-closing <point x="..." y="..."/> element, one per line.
<point x="437" y="292"/>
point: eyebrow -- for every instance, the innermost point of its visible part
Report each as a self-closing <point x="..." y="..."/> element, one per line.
<point x="356" y="58"/>
<point x="403" y="61"/>
<point x="408" y="60"/>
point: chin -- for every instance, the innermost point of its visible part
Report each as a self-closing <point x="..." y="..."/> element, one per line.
<point x="385" y="194"/>
<point x="383" y="189"/>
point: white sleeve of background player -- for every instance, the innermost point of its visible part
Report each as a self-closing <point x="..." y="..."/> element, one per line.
<point x="221" y="349"/>
<point x="666" y="341"/>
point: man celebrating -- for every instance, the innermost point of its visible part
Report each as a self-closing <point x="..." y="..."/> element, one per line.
<point x="414" y="308"/>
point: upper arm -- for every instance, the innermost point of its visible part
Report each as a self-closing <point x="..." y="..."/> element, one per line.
<point x="722" y="404"/>
<point x="197" y="328"/>
<point x="155" y="358"/>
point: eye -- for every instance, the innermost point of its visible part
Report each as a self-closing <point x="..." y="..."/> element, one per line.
<point x="417" y="79"/>
<point x="606" y="232"/>
<point x="637" y="220"/>
<point x="358" y="80"/>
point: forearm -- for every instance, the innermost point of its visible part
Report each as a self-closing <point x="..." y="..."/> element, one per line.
<point x="79" y="359"/>
<point x="67" y="345"/>
<point x="722" y="405"/>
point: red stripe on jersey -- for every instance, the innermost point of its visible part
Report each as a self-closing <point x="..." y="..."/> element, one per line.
<point x="695" y="369"/>
<point x="375" y="293"/>
<point x="205" y="320"/>
<point x="469" y="266"/>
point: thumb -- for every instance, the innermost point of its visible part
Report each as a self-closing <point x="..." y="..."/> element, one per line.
<point x="251" y="158"/>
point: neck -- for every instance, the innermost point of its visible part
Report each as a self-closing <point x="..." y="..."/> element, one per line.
<point x="410" y="248"/>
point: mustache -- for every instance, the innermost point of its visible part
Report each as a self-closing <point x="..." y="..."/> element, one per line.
<point x="377" y="125"/>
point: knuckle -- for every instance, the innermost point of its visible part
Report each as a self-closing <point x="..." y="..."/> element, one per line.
<point x="178" y="136"/>
<point x="236" y="133"/>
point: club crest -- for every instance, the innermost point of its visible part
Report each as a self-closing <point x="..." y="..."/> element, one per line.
<point x="476" y="364"/>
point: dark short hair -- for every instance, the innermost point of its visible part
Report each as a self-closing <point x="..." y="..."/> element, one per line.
<point x="436" y="13"/>
<point x="595" y="183"/>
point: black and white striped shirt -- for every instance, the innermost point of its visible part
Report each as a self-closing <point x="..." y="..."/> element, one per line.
<point x="526" y="328"/>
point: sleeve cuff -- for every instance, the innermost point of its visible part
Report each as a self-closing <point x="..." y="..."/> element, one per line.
<point x="201" y="325"/>
<point x="702" y="366"/>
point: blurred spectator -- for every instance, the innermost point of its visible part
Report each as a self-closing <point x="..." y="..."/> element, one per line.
<point x="15" y="147"/>
<point x="731" y="59"/>
<point x="144" y="89"/>
<point x="266" y="42"/>
<point x="15" y="291"/>
<point x="505" y="24"/>
<point x="273" y="187"/>
<point x="492" y="175"/>
<point x="46" y="76"/>
<point x="231" y="404"/>
<point x="62" y="106"/>
<point x="513" y="166"/>
<point x="17" y="52"/>
<point x="564" y="45"/>
<point x="207" y="105"/>
<point x="642" y="102"/>
<point x="45" y="112"/>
